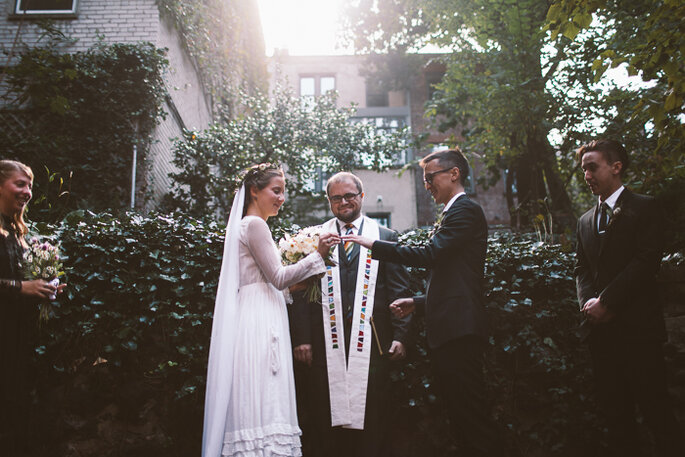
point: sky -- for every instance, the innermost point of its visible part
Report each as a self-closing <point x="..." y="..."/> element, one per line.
<point x="304" y="27"/>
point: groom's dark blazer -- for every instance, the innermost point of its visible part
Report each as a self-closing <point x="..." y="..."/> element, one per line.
<point x="306" y="327"/>
<point x="456" y="321"/>
<point x="455" y="256"/>
<point x="620" y="267"/>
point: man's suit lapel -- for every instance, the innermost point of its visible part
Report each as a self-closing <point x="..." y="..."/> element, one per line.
<point x="592" y="234"/>
<point x="443" y="215"/>
<point x="623" y="199"/>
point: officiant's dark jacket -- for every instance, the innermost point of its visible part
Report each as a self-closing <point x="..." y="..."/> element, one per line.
<point x="620" y="267"/>
<point x="455" y="256"/>
<point x="306" y="326"/>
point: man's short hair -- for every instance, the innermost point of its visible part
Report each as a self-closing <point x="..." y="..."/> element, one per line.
<point x="611" y="150"/>
<point x="449" y="158"/>
<point x="344" y="176"/>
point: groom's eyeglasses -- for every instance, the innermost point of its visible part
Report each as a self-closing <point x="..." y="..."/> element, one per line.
<point x="428" y="177"/>
<point x="339" y="198"/>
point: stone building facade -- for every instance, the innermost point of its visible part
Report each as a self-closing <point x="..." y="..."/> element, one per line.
<point x="398" y="201"/>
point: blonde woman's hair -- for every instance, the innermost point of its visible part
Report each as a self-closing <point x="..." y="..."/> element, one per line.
<point x="7" y="169"/>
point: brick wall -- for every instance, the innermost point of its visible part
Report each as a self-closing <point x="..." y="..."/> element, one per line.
<point x="127" y="21"/>
<point x="187" y="107"/>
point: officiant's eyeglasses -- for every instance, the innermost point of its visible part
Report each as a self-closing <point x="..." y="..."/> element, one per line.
<point x="339" y="198"/>
<point x="428" y="177"/>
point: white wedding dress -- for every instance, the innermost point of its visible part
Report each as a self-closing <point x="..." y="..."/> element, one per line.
<point x="261" y="416"/>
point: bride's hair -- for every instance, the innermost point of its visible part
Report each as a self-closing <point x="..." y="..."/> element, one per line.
<point x="258" y="177"/>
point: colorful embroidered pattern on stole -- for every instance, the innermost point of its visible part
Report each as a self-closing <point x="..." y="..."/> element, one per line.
<point x="331" y="308"/>
<point x="365" y="295"/>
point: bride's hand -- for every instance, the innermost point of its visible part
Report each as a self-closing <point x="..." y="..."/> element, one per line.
<point x="326" y="241"/>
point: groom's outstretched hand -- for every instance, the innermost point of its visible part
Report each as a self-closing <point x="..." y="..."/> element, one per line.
<point x="402" y="307"/>
<point x="303" y="354"/>
<point x="397" y="351"/>
<point x="361" y="240"/>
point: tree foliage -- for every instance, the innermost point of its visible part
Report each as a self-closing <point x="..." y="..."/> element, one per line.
<point x="526" y="97"/>
<point x="494" y="91"/>
<point x="309" y="139"/>
<point x="647" y="38"/>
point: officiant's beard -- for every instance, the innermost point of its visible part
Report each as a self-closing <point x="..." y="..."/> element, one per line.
<point x="348" y="217"/>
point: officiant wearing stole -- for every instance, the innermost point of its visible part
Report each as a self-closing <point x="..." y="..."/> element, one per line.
<point x="347" y="342"/>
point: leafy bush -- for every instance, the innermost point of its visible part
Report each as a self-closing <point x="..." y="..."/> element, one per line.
<point x="537" y="370"/>
<point x="127" y="346"/>
<point x="140" y="297"/>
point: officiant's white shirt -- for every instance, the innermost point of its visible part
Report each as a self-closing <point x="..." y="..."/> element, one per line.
<point x="356" y="223"/>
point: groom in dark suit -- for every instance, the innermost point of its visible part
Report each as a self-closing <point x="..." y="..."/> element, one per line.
<point x="389" y="337"/>
<point x="456" y="321"/>
<point x="619" y="248"/>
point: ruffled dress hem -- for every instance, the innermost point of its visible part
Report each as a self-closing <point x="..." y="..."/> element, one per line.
<point x="272" y="440"/>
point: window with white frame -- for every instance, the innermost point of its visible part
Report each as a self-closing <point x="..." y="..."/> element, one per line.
<point x="314" y="85"/>
<point x="326" y="84"/>
<point x="43" y="7"/>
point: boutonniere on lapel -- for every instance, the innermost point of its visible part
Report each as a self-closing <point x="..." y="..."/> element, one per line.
<point x="436" y="226"/>
<point x="614" y="216"/>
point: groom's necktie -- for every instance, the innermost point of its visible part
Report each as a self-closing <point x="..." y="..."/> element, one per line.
<point x="348" y="244"/>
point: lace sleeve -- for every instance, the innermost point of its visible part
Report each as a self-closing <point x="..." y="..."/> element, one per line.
<point x="261" y="246"/>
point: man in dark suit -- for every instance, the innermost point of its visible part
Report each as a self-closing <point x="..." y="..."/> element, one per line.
<point x="387" y="337"/>
<point x="456" y="321"/>
<point x="619" y="248"/>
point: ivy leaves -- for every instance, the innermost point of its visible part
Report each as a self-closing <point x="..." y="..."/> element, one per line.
<point x="81" y="113"/>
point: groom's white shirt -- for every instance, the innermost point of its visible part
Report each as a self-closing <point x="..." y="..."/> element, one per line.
<point x="452" y="200"/>
<point x="611" y="200"/>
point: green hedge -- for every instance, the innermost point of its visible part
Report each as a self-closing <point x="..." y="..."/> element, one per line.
<point x="140" y="296"/>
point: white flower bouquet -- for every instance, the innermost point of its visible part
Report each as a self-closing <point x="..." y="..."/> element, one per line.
<point x="42" y="261"/>
<point x="296" y="247"/>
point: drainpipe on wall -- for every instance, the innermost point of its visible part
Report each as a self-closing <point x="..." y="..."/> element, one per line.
<point x="133" y="175"/>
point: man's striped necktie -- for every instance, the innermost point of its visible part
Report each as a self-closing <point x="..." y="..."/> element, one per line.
<point x="349" y="245"/>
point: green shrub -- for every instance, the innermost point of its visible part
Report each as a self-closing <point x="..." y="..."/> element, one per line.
<point x="141" y="294"/>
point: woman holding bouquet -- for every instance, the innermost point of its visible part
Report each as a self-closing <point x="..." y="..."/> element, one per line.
<point x="17" y="317"/>
<point x="250" y="399"/>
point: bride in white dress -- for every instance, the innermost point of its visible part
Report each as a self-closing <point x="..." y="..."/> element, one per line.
<point x="250" y="401"/>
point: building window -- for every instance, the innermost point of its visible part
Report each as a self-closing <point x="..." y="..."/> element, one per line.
<point x="313" y="86"/>
<point x="376" y="95"/>
<point x="57" y="7"/>
<point x="383" y="218"/>
<point x="327" y="84"/>
<point x="307" y="87"/>
<point x="432" y="79"/>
